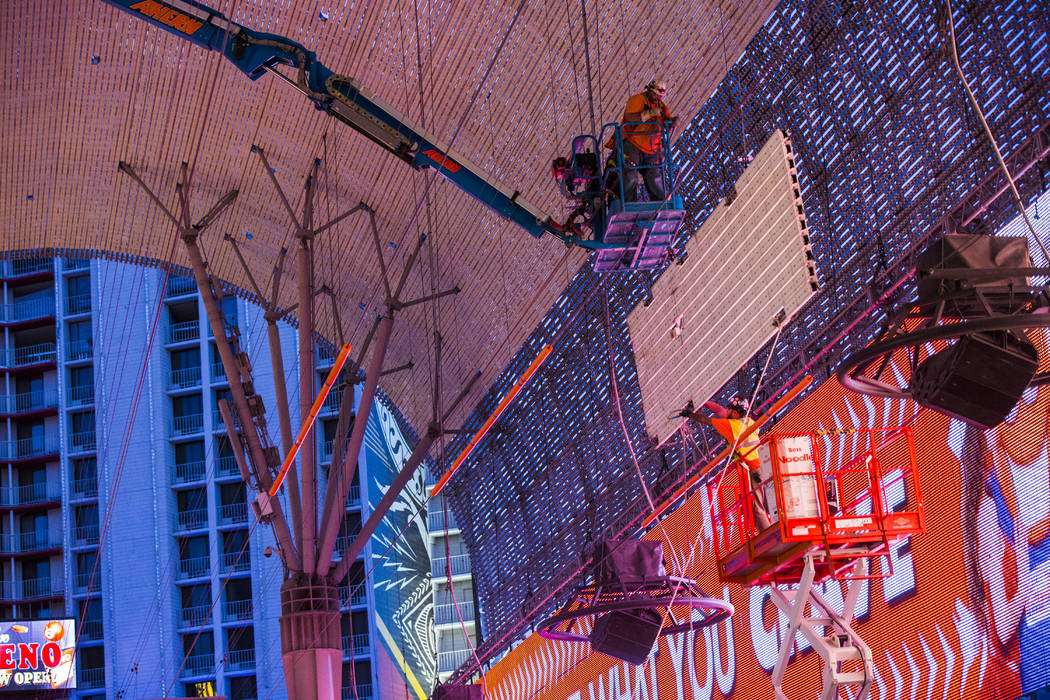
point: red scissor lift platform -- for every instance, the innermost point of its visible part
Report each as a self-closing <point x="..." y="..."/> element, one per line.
<point x="837" y="500"/>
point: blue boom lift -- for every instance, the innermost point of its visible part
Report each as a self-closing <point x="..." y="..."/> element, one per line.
<point x="627" y="235"/>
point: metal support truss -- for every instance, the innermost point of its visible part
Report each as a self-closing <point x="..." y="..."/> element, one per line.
<point x="839" y="647"/>
<point x="247" y="404"/>
<point x="272" y="314"/>
<point x="311" y="576"/>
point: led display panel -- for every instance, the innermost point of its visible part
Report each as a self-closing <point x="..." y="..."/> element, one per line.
<point x="961" y="611"/>
<point x="748" y="265"/>
<point x="37" y="655"/>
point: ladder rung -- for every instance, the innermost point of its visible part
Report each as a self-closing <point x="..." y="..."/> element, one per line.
<point x="851" y="677"/>
<point x="850" y="653"/>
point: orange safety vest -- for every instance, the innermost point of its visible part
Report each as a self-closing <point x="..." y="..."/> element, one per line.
<point x="646" y="139"/>
<point x="747" y="449"/>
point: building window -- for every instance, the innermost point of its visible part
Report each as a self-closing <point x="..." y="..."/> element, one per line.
<point x="78" y="294"/>
<point x="81" y="384"/>
<point x="82" y="430"/>
<point x="85" y="476"/>
<point x="85" y="522"/>
<point x="79" y="339"/>
<point x="243" y="688"/>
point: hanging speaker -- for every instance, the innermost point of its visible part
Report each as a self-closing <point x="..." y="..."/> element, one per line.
<point x="979" y="379"/>
<point x="628" y="635"/>
<point x="629" y="562"/>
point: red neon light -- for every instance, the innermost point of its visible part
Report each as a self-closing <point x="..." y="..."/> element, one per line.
<point x="693" y="480"/>
<point x="514" y="390"/>
<point x="340" y="360"/>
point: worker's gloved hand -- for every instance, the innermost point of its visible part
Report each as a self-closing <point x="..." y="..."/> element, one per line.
<point x="687" y="411"/>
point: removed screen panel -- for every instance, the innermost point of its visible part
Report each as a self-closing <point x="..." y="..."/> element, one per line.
<point x="748" y="264"/>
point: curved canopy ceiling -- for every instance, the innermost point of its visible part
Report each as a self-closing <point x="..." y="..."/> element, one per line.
<point x="506" y="81"/>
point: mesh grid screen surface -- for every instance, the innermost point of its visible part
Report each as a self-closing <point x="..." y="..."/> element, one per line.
<point x="886" y="145"/>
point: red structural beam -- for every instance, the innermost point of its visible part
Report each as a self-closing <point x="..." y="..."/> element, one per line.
<point x="759" y="422"/>
<point x="474" y="441"/>
<point x="340" y="360"/>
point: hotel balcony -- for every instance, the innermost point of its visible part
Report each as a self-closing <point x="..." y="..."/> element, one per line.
<point x="237" y="610"/>
<point x="217" y="424"/>
<point x="76" y="264"/>
<point x="30" y="589"/>
<point x="91" y="630"/>
<point x="189" y="424"/>
<point x="28" y="356"/>
<point x="28" y="310"/>
<point x="183" y="332"/>
<point x="195" y="616"/>
<point x="363" y="692"/>
<point x="184" y="378"/>
<point x="240" y="659"/>
<point x="92" y="678"/>
<point x="30" y="494"/>
<point x="78" y="304"/>
<point x="81" y="394"/>
<point x="358" y="599"/>
<point x="451" y="660"/>
<point x="218" y="374"/>
<point x="79" y="350"/>
<point x="356" y="646"/>
<point x="227" y="466"/>
<point x="85" y="488"/>
<point x="28" y="542"/>
<point x="83" y="441"/>
<point x="236" y="561"/>
<point x="29" y="266"/>
<point x="179" y="285"/>
<point x="85" y="535"/>
<point x="40" y="401"/>
<point x="193" y="567"/>
<point x="196" y="519"/>
<point x="233" y="514"/>
<point x="447" y="615"/>
<point x="30" y="448"/>
<point x="198" y="665"/>
<point x="187" y="472"/>
<point x="436" y="521"/>
<point x="324" y="355"/>
<point x="332" y="402"/>
<point x="460" y="565"/>
<point x="87" y="582"/>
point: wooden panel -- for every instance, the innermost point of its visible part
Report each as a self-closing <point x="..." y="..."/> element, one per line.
<point x="708" y="316"/>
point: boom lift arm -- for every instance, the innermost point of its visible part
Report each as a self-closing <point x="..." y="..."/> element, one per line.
<point x="255" y="53"/>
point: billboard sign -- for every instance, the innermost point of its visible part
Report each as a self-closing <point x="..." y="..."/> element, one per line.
<point x="399" y="552"/>
<point x="962" y="611"/>
<point x="37" y="655"/>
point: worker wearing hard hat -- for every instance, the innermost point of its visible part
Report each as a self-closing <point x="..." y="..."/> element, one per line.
<point x="643" y="145"/>
<point x="731" y="421"/>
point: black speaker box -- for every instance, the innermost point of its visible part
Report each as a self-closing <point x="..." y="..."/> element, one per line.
<point x="628" y="635"/>
<point x="457" y="692"/>
<point x="978" y="379"/>
<point x="629" y="562"/>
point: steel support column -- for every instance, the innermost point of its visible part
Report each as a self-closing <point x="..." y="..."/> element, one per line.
<point x="339" y="484"/>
